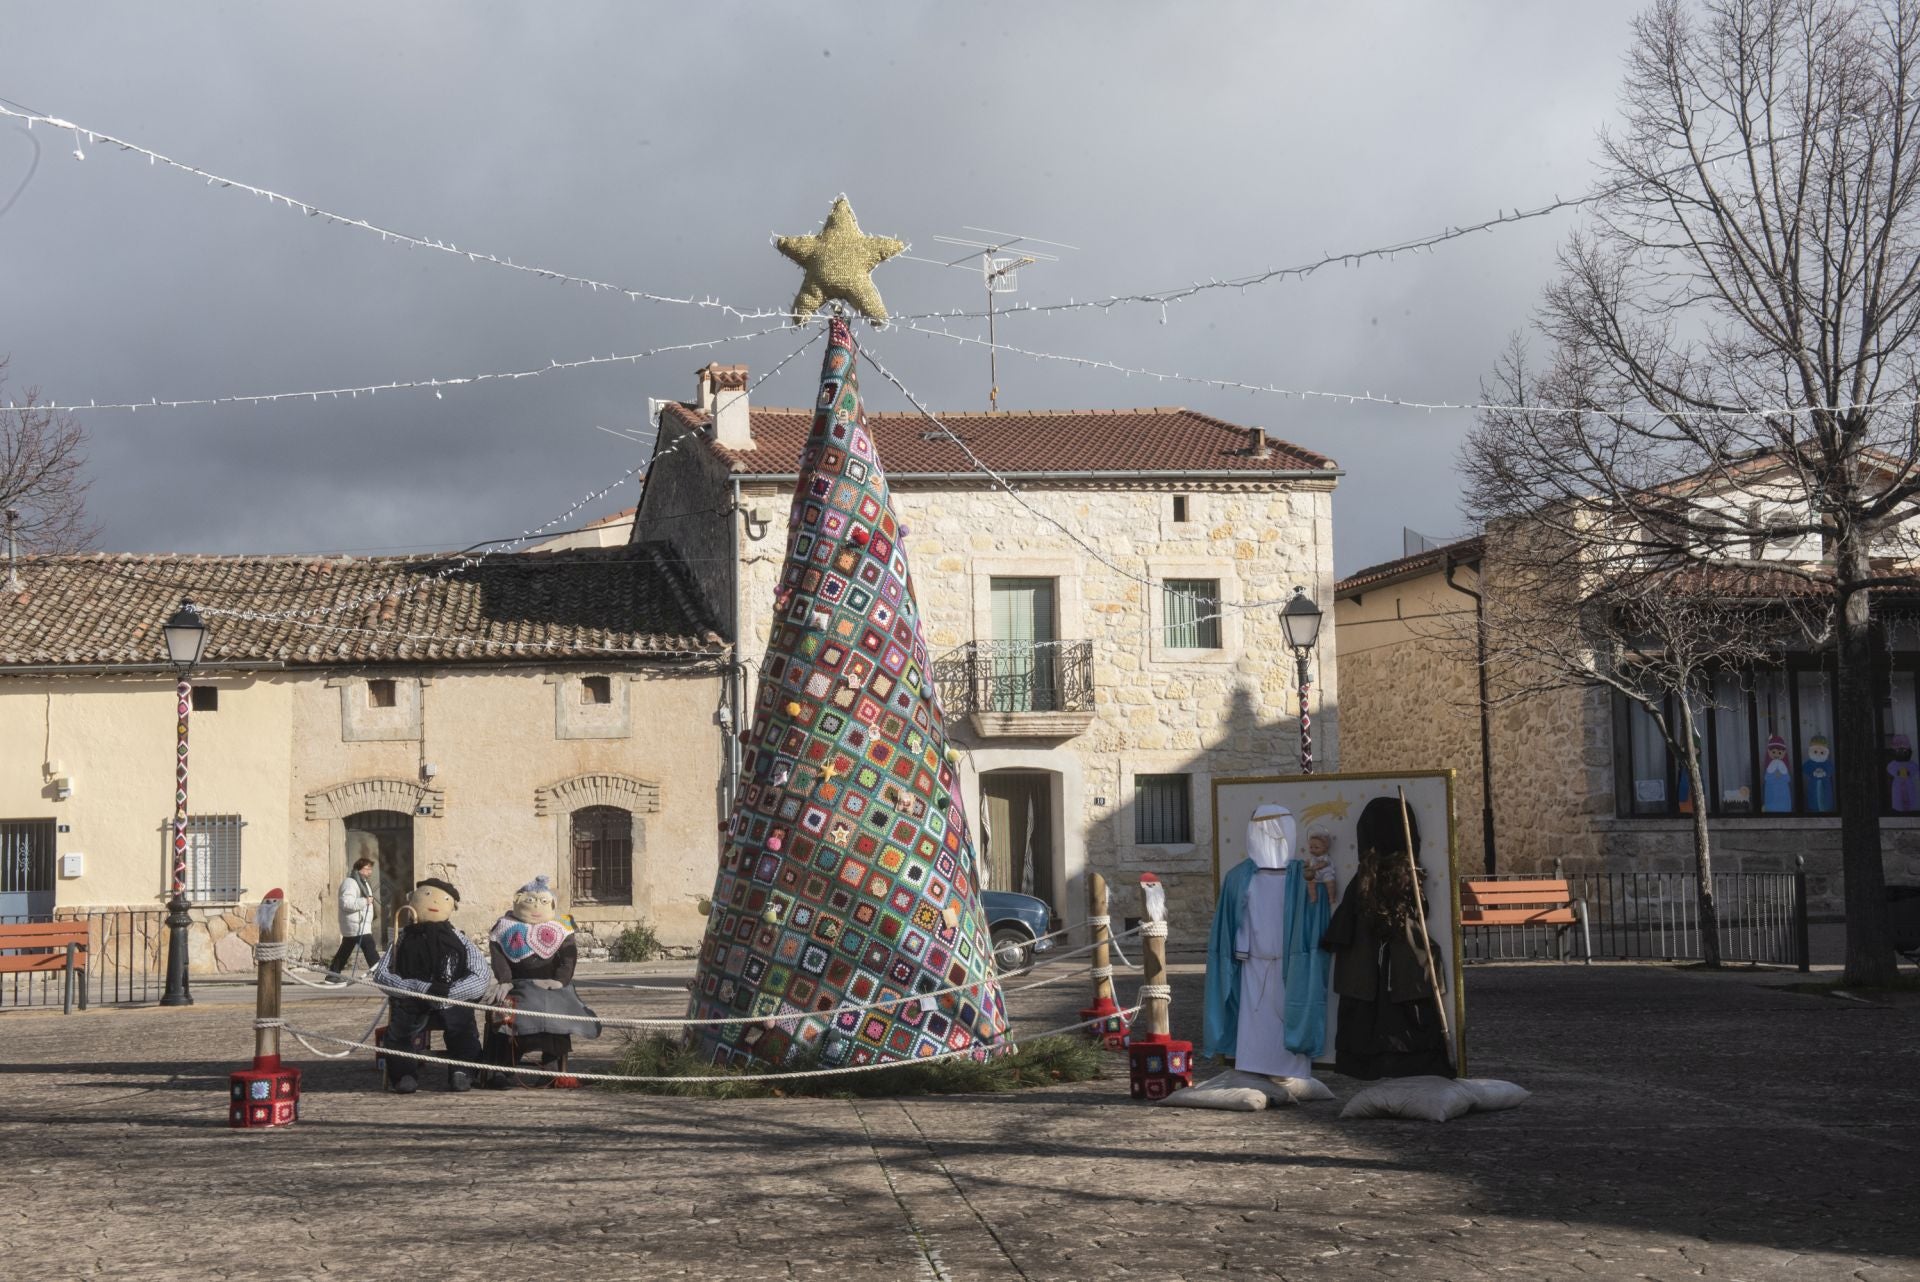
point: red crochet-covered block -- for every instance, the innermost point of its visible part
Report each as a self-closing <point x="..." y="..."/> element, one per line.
<point x="262" y="1096"/>
<point x="1157" y="1066"/>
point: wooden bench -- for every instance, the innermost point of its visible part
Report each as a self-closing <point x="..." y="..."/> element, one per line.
<point x="1526" y="901"/>
<point x="36" y="948"/>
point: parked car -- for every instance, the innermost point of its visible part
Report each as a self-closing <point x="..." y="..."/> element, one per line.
<point x="1018" y="925"/>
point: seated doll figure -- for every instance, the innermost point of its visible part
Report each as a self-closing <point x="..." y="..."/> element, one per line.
<point x="432" y="959"/>
<point x="1388" y="1024"/>
<point x="533" y="953"/>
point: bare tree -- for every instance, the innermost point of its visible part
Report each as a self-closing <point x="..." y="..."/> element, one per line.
<point x="42" y="472"/>
<point x="1574" y="594"/>
<point x="1743" y="317"/>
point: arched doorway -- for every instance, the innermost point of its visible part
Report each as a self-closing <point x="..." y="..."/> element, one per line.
<point x="386" y="837"/>
<point x="1017" y="832"/>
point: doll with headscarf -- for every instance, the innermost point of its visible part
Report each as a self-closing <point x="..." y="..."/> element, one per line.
<point x="1776" y="779"/>
<point x="534" y="954"/>
<point x="1266" y="1006"/>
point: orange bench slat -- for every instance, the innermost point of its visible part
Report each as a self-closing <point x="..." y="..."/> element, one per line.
<point x="49" y="934"/>
<point x="1517" y="917"/>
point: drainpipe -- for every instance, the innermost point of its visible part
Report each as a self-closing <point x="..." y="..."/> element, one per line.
<point x="736" y="670"/>
<point x="1486" y="735"/>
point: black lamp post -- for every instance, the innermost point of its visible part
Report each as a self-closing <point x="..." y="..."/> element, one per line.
<point x="186" y="635"/>
<point x="1301" y="621"/>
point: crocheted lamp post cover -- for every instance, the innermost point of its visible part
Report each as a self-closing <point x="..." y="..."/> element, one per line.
<point x="847" y="877"/>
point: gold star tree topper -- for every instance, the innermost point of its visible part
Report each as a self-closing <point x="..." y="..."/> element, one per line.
<point x="839" y="263"/>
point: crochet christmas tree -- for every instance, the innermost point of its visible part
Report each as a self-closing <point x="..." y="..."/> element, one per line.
<point x="848" y="875"/>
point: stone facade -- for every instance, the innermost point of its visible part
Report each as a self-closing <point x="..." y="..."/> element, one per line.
<point x="1203" y="714"/>
<point x="281" y="754"/>
<point x="1409" y="694"/>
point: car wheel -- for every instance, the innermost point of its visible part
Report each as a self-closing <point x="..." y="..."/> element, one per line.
<point x="1012" y="948"/>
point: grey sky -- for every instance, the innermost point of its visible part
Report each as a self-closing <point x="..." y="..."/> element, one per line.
<point x="658" y="145"/>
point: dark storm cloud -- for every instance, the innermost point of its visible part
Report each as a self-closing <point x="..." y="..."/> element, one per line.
<point x="659" y="145"/>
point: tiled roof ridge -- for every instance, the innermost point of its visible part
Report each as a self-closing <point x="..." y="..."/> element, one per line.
<point x="1402" y="564"/>
<point x="1036" y="413"/>
<point x="522" y="557"/>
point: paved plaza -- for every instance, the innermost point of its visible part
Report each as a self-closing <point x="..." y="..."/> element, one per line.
<point x="1683" y="1125"/>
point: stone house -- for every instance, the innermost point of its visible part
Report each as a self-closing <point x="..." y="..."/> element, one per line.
<point x="482" y="722"/>
<point x="1581" y="775"/>
<point x="1095" y="688"/>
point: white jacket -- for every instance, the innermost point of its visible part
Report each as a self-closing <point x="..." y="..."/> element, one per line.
<point x="356" y="907"/>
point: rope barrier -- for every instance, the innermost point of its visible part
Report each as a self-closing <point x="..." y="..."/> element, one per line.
<point x="642" y="1021"/>
<point x="269" y="952"/>
<point x="1148" y="992"/>
<point x="302" y="1034"/>
<point x="1153" y="929"/>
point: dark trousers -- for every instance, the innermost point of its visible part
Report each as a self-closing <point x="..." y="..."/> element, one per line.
<point x="407" y="1027"/>
<point x="345" y="951"/>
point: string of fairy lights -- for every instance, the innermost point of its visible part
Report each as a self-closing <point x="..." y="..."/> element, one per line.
<point x="912" y="322"/>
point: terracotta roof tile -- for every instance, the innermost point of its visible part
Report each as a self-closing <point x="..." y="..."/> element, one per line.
<point x="1028" y="442"/>
<point x="1408" y="567"/>
<point x="588" y="603"/>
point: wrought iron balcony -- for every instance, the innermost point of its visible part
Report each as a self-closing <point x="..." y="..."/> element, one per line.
<point x="1019" y="688"/>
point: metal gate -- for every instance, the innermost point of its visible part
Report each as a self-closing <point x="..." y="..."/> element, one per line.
<point x="26" y="868"/>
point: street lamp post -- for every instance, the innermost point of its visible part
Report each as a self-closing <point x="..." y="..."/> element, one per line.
<point x="1301" y="622"/>
<point x="186" y="636"/>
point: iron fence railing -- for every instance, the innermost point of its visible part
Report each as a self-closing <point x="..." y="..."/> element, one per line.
<point x="1016" y="676"/>
<point x="126" y="959"/>
<point x="1643" y="916"/>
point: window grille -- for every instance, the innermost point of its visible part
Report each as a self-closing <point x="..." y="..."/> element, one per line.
<point x="26" y="856"/>
<point x="213" y="857"/>
<point x="602" y="855"/>
<point x="1162" y="810"/>
<point x="1192" y="608"/>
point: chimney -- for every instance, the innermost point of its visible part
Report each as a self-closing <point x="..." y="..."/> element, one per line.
<point x="1257" y="443"/>
<point x="723" y="398"/>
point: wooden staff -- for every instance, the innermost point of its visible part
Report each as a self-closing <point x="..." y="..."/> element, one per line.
<point x="1420" y="906"/>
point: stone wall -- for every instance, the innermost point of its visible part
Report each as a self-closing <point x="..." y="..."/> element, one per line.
<point x="685" y="504"/>
<point x="1553" y="778"/>
<point x="1409" y="694"/>
<point x="1230" y="712"/>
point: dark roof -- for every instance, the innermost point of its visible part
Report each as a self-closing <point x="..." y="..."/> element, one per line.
<point x="1027" y="442"/>
<point x="1409" y="567"/>
<point x="632" y="602"/>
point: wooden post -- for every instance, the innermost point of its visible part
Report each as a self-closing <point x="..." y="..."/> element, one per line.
<point x="1157" y="1065"/>
<point x="1156" y="1005"/>
<point x="268" y="1093"/>
<point x="1104" y="1021"/>
<point x="266" y="993"/>
<point x="1102" y="938"/>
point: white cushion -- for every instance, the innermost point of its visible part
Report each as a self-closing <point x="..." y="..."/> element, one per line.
<point x="1490" y="1094"/>
<point x="1223" y="1092"/>
<point x="1429" y="1099"/>
<point x="1304" y="1090"/>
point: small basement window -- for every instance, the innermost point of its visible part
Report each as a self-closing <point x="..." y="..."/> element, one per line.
<point x="206" y="698"/>
<point x="380" y="693"/>
<point x="596" y="689"/>
<point x="1180" y="507"/>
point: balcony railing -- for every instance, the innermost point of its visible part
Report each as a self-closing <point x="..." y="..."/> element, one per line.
<point x="1019" y="687"/>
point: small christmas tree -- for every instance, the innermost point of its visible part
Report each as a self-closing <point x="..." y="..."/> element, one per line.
<point x="848" y="873"/>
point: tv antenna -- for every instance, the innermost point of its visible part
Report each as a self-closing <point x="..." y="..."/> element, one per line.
<point x="1000" y="259"/>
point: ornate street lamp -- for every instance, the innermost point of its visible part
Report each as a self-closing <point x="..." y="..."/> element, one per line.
<point x="1301" y="621"/>
<point x="186" y="635"/>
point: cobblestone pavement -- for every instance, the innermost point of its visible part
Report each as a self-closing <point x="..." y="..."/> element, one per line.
<point x="1683" y="1125"/>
